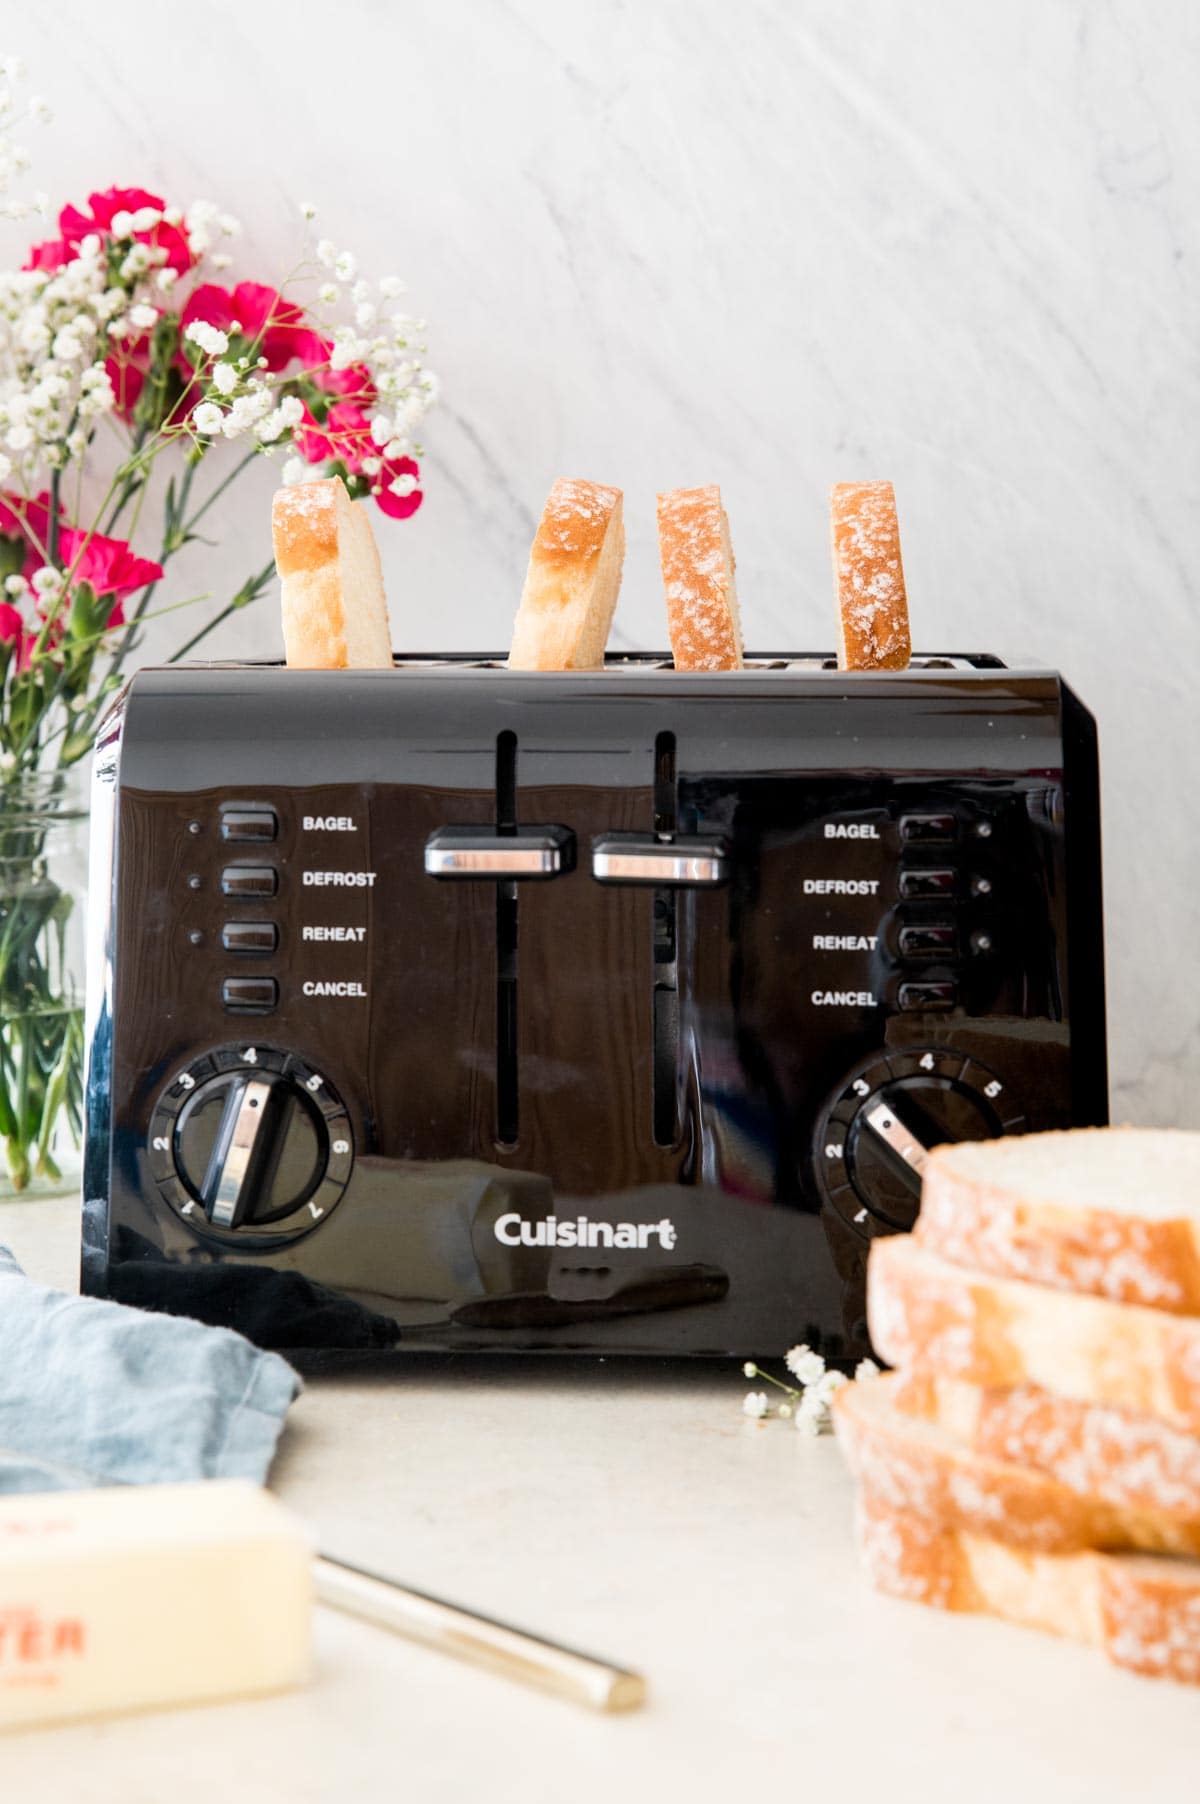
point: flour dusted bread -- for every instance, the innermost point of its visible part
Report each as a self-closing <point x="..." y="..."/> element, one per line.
<point x="956" y="1323"/>
<point x="914" y="1464"/>
<point x="1117" y="1456"/>
<point x="573" y="580"/>
<point x="1113" y="1211"/>
<point x="872" y="606"/>
<point x="698" y="577"/>
<point x="1143" y="1610"/>
<point x="334" y="611"/>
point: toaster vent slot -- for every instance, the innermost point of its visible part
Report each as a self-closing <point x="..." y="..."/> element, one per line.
<point x="666" y="968"/>
<point x="508" y="1103"/>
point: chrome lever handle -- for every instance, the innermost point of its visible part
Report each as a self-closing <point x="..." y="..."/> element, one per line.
<point x="686" y="861"/>
<point x="481" y="852"/>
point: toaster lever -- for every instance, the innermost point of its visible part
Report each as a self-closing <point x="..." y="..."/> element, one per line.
<point x="483" y="852"/>
<point x="689" y="861"/>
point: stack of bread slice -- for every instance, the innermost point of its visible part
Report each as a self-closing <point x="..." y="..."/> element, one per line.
<point x="1035" y="1454"/>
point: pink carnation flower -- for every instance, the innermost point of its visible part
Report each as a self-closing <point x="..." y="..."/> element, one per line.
<point x="257" y="312"/>
<point x="75" y="225"/>
<point x="346" y="438"/>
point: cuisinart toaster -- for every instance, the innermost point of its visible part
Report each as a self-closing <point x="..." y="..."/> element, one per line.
<point x="459" y="1008"/>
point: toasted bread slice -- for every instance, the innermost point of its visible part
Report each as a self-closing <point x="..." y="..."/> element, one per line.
<point x="916" y="1465"/>
<point x="334" y="609"/>
<point x="697" y="566"/>
<point x="957" y="1323"/>
<point x="872" y="606"/>
<point x="1114" y="1455"/>
<point x="573" y="580"/>
<point x="1142" y="1609"/>
<point x="1113" y="1211"/>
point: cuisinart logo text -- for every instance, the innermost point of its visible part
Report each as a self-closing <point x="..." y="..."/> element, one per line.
<point x="512" y="1231"/>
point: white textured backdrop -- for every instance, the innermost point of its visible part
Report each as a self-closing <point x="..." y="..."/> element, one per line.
<point x="769" y="245"/>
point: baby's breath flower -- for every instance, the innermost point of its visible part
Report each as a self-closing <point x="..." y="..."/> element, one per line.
<point x="222" y="260"/>
<point x="749" y="1370"/>
<point x="291" y="410"/>
<point x="329" y="294"/>
<point x="391" y="288"/>
<point x="805" y="1366"/>
<point x="166" y="279"/>
<point x="122" y="224"/>
<point x="210" y="338"/>
<point x="866" y="1368"/>
<point x="16" y="585"/>
<point x="755" y="1404"/>
<point x="326" y="252"/>
<point x="143" y="316"/>
<point x="146" y="218"/>
<point x="345" y="266"/>
<point x="208" y="419"/>
<point x="307" y="210"/>
<point x="784" y="1410"/>
<point x="40" y="109"/>
<point x="224" y="378"/>
<point x="294" y="470"/>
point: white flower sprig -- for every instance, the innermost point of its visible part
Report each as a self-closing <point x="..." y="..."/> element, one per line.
<point x="14" y="158"/>
<point x="810" y="1399"/>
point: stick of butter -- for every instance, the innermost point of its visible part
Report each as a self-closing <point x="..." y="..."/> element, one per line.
<point x="147" y="1595"/>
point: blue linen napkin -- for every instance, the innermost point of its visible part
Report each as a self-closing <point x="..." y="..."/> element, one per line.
<point x="94" y="1393"/>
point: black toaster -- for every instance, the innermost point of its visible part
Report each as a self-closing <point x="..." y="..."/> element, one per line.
<point x="459" y="1008"/>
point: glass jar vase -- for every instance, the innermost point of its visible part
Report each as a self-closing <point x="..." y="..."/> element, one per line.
<point x="43" y="870"/>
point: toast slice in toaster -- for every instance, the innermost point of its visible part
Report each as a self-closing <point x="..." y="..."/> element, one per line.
<point x="697" y="567"/>
<point x="1114" y="1211"/>
<point x="334" y="609"/>
<point x="1113" y="1455"/>
<point x="1142" y="1610"/>
<point x="916" y="1465"/>
<point x="872" y="607"/>
<point x="573" y="580"/>
<point x="957" y="1323"/>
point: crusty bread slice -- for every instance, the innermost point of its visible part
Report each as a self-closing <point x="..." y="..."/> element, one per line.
<point x="573" y="580"/>
<point x="334" y="610"/>
<point x="703" y="618"/>
<point x="1114" y="1455"/>
<point x="916" y="1465"/>
<point x="872" y="606"/>
<point x="957" y="1323"/>
<point x="1142" y="1609"/>
<point x="1114" y="1211"/>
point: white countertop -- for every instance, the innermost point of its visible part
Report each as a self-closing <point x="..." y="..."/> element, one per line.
<point x="635" y="1513"/>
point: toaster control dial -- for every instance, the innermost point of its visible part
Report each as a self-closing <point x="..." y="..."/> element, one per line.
<point x="875" y="1133"/>
<point x="250" y="1143"/>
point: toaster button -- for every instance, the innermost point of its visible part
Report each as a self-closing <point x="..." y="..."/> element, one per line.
<point x="928" y="829"/>
<point x="250" y="936"/>
<point x="249" y="880"/>
<point x="931" y="939"/>
<point x="249" y="823"/>
<point x="250" y="995"/>
<point x="914" y="884"/>
<point x="916" y="997"/>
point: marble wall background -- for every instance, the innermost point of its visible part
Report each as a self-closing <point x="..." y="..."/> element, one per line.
<point x="771" y="244"/>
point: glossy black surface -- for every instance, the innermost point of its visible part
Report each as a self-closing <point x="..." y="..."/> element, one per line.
<point x="576" y="1115"/>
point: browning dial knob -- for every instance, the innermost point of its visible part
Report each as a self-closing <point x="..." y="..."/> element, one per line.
<point x="251" y="1143"/>
<point x="874" y="1135"/>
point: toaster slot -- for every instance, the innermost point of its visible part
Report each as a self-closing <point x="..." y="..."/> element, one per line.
<point x="508" y="1094"/>
<point x="666" y="964"/>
